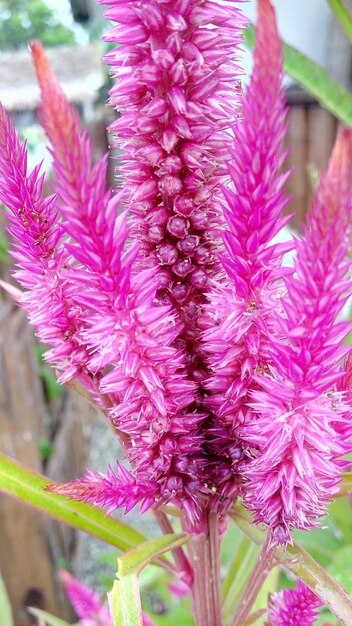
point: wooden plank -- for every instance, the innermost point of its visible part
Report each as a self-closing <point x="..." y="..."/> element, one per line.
<point x="296" y="140"/>
<point x="322" y="128"/>
<point x="24" y="554"/>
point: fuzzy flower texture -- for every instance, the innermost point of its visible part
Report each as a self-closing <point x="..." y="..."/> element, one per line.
<point x="223" y="372"/>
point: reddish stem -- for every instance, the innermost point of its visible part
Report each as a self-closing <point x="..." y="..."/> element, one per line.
<point x="182" y="562"/>
<point x="205" y="551"/>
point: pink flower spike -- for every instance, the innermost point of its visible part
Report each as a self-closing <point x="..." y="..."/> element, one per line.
<point x="239" y="319"/>
<point x="85" y="602"/>
<point x="89" y="210"/>
<point x="177" y="99"/>
<point x="39" y="250"/>
<point x="294" y="607"/>
<point x="303" y="425"/>
<point x="109" y="490"/>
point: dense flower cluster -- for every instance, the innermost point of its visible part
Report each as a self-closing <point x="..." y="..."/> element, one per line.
<point x="303" y="426"/>
<point x="221" y="371"/>
<point x="294" y="607"/>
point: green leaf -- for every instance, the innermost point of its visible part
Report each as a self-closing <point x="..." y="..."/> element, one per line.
<point x="342" y="15"/>
<point x="124" y="599"/>
<point x="242" y="564"/>
<point x="340" y="511"/>
<point x="49" y="619"/>
<point x="125" y="603"/>
<point x="5" y="608"/>
<point x="135" y="560"/>
<point x="28" y="486"/>
<point x="331" y="94"/>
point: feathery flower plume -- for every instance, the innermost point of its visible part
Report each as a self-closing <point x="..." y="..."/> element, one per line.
<point x="294" y="607"/>
<point x="85" y="602"/>
<point x="40" y="254"/>
<point x="176" y="90"/>
<point x="129" y="340"/>
<point x="239" y="317"/>
<point x="302" y="429"/>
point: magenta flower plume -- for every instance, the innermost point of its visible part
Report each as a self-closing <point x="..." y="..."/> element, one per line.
<point x="39" y="251"/>
<point x="125" y="342"/>
<point x="294" y="607"/>
<point x="302" y="429"/>
<point x="176" y="92"/>
<point x="85" y="602"/>
<point x="239" y="317"/>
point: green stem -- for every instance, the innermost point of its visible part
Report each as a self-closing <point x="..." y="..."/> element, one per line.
<point x="255" y="582"/>
<point x="304" y="567"/>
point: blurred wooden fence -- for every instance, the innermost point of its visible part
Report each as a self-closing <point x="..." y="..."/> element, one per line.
<point x="310" y="137"/>
<point x="31" y="546"/>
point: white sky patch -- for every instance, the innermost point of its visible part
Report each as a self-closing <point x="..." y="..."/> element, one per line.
<point x="304" y="24"/>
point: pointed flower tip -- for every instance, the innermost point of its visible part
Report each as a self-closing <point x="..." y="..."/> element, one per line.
<point x="267" y="15"/>
<point x="341" y="158"/>
<point x="41" y="64"/>
<point x="268" y="39"/>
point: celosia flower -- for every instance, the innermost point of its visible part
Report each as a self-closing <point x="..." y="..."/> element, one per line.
<point x="176" y="92"/>
<point x="302" y="428"/>
<point x="239" y="318"/>
<point x="85" y="602"/>
<point x="294" y="607"/>
<point x="44" y="263"/>
<point x="129" y="340"/>
<point x="251" y="404"/>
<point x="178" y="97"/>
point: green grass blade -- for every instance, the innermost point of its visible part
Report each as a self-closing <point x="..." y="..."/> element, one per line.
<point x="242" y="564"/>
<point x="125" y="602"/>
<point x="47" y="618"/>
<point x="28" y="486"/>
<point x="5" y="608"/>
<point x="342" y="15"/>
<point x="331" y="95"/>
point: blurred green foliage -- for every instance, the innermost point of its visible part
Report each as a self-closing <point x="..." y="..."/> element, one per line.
<point x="24" y="20"/>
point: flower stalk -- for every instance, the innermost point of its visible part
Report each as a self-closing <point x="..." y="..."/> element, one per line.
<point x="205" y="555"/>
<point x="255" y="581"/>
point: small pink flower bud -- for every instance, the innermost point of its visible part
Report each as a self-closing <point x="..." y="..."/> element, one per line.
<point x="188" y="245"/>
<point x="184" y="205"/>
<point x="178" y="226"/>
<point x="170" y="185"/>
<point x="167" y="254"/>
<point x="182" y="268"/>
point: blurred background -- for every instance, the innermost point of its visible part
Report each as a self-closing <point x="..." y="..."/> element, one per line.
<point x="50" y="428"/>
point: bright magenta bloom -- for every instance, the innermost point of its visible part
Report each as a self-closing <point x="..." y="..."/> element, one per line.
<point x="302" y="428"/>
<point x="177" y="95"/>
<point x="219" y="369"/>
<point x="294" y="607"/>
<point x="86" y="602"/>
<point x="239" y="318"/>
